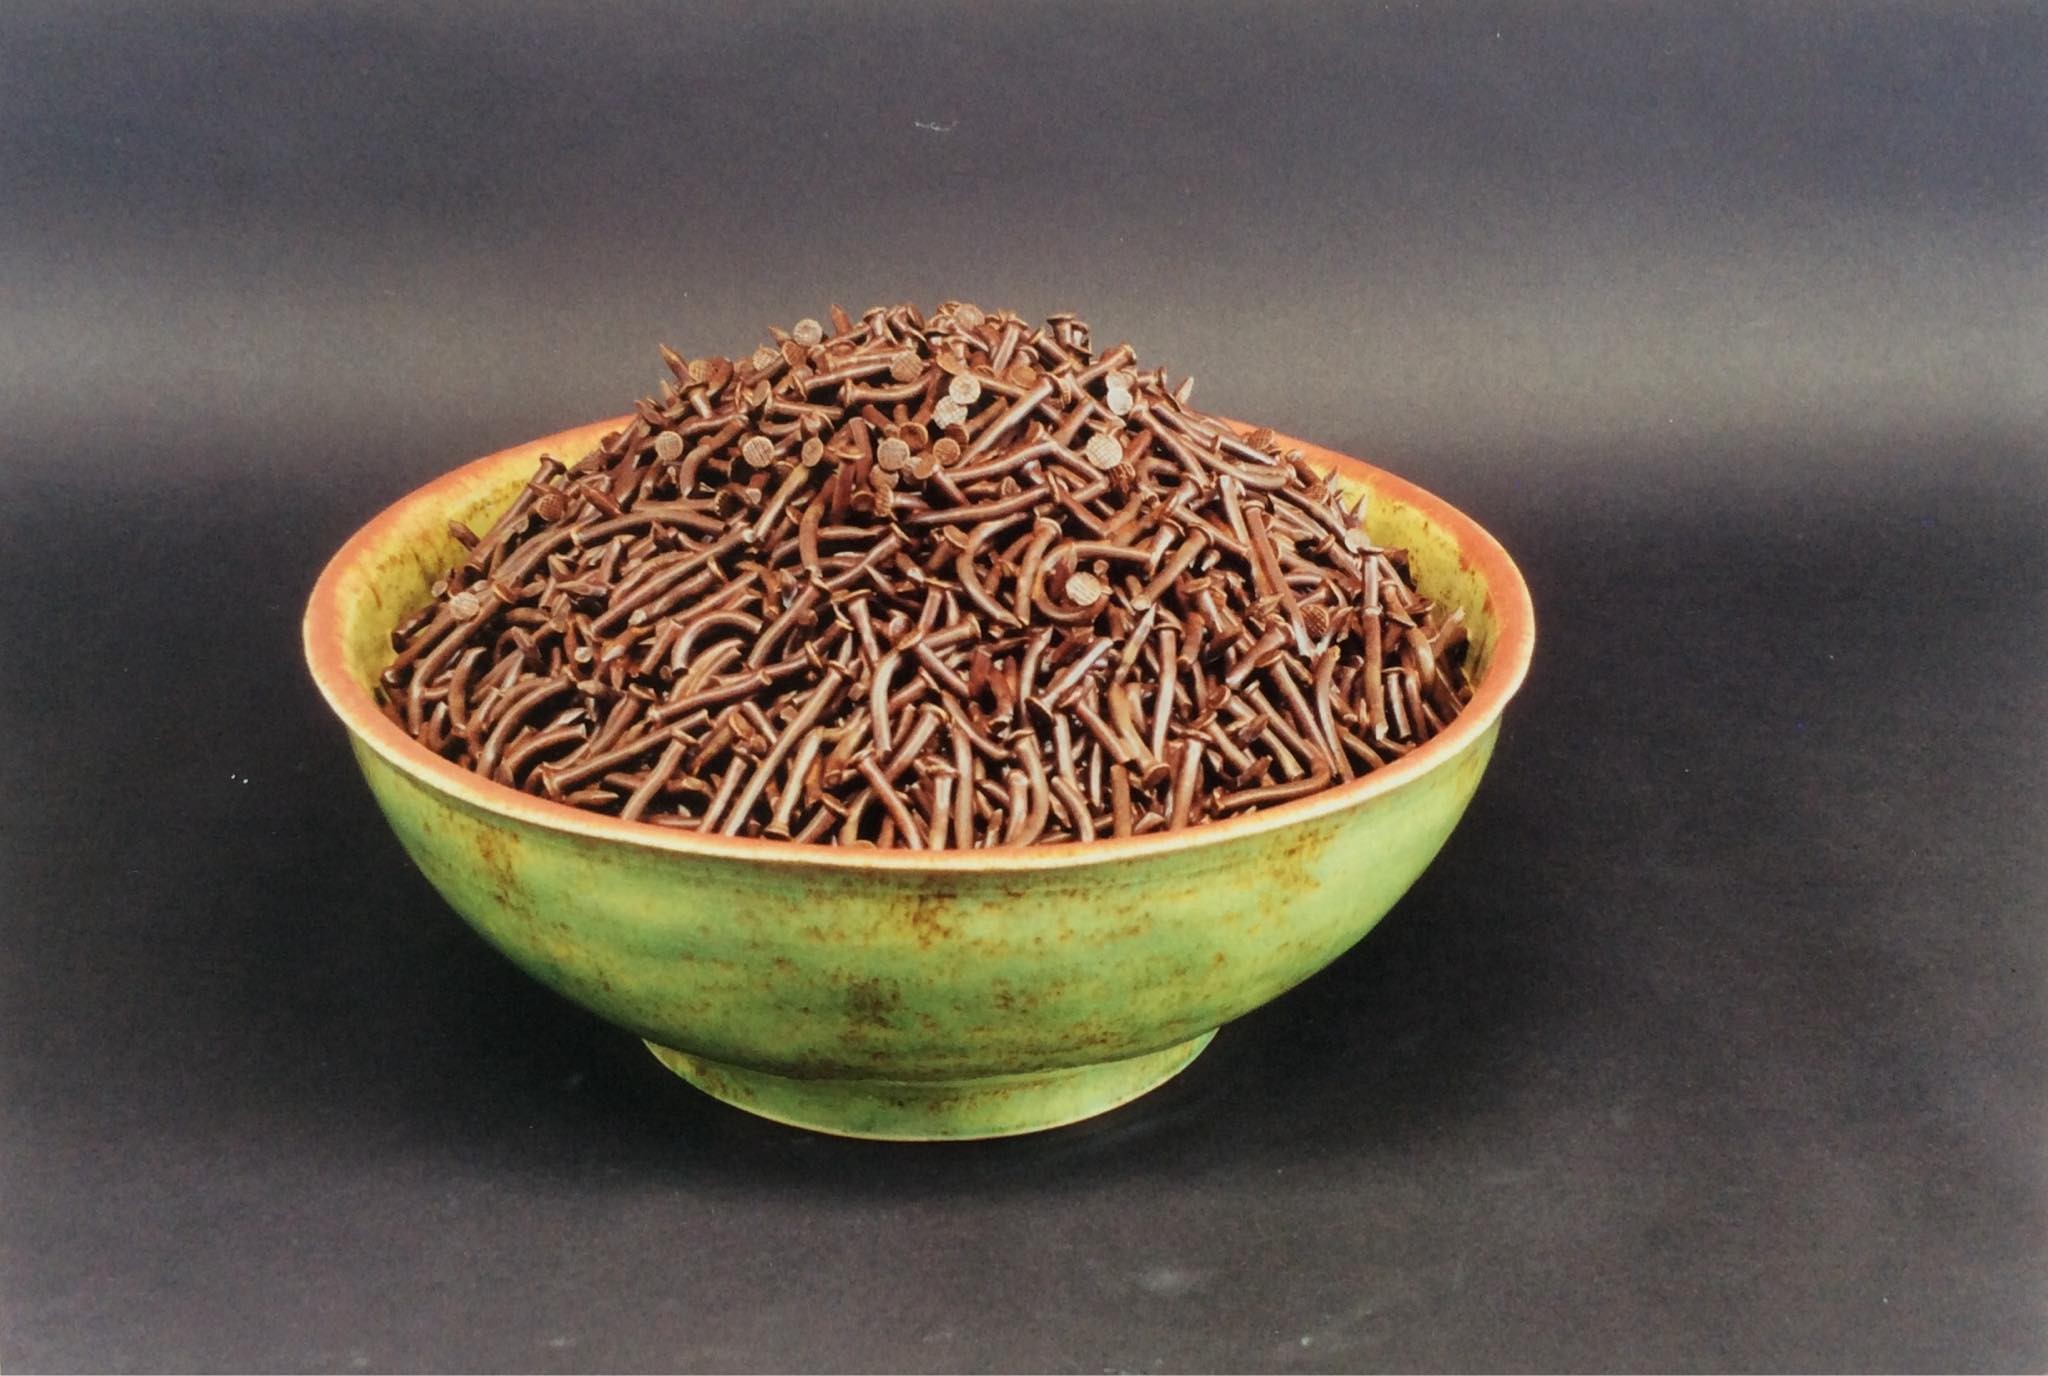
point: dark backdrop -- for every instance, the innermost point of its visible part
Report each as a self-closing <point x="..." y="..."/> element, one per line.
<point x="1714" y="1039"/>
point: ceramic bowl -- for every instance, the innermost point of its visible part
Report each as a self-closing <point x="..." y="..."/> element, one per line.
<point x="909" y="994"/>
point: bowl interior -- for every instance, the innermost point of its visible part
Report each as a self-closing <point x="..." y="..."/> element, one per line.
<point x="388" y="568"/>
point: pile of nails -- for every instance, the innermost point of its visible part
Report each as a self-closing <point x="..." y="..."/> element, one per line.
<point x="930" y="582"/>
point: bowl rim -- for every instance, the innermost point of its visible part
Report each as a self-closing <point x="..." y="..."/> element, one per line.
<point x="326" y="658"/>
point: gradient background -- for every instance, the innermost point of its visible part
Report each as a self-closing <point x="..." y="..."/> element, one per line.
<point x="1716" y="1037"/>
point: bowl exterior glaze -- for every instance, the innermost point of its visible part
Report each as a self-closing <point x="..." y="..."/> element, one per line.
<point x="899" y="995"/>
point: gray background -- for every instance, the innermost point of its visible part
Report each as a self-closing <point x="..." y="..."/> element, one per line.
<point x="1714" y="1039"/>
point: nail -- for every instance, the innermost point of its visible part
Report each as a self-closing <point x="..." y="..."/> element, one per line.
<point x="1325" y="709"/>
<point x="892" y="802"/>
<point x="814" y="707"/>
<point x="1187" y="776"/>
<point x="1120" y="800"/>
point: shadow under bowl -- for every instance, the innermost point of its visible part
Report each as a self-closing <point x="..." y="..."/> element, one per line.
<point x="900" y="994"/>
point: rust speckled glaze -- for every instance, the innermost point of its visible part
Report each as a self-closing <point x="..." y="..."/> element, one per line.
<point x="905" y="994"/>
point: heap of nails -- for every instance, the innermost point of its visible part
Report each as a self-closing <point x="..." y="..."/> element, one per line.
<point x="940" y="582"/>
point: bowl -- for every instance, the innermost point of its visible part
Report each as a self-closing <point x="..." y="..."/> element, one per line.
<point x="899" y="994"/>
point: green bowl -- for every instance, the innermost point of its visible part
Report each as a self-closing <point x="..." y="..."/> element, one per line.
<point x="910" y="994"/>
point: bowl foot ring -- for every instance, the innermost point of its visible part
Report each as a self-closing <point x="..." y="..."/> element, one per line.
<point x="933" y="1110"/>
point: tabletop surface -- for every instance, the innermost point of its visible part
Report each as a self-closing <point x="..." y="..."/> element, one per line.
<point x="1715" y="1036"/>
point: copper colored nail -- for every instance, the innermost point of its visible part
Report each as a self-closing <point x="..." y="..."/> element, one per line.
<point x="1120" y="800"/>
